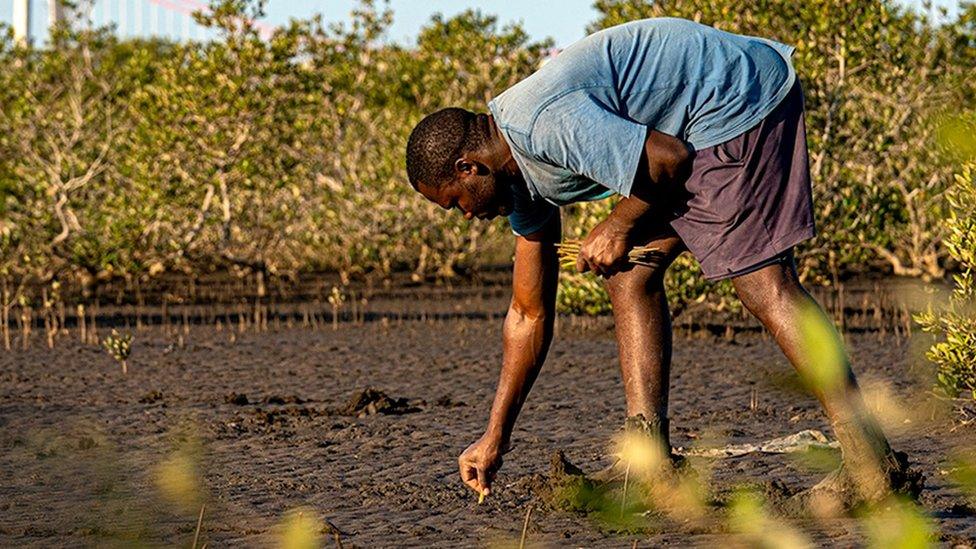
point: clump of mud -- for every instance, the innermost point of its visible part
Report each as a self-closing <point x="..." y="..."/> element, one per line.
<point x="447" y="402"/>
<point x="152" y="397"/>
<point x="566" y="487"/>
<point x="237" y="399"/>
<point x="370" y="402"/>
<point x="241" y="399"/>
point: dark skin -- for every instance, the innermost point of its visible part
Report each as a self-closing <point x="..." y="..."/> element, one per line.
<point x="642" y="320"/>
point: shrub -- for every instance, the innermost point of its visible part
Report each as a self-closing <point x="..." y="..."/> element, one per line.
<point x="955" y="354"/>
<point x="277" y="155"/>
<point x="284" y="154"/>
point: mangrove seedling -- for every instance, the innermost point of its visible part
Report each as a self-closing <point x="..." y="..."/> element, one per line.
<point x="336" y="299"/>
<point x="119" y="345"/>
<point x="647" y="256"/>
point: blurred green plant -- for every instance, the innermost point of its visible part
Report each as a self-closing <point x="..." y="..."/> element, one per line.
<point x="300" y="529"/>
<point x="758" y="527"/>
<point x="956" y="136"/>
<point x="826" y="361"/>
<point x="899" y="524"/>
<point x="179" y="477"/>
<point x="963" y="473"/>
<point x="955" y="323"/>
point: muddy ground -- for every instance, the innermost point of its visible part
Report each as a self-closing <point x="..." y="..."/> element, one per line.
<point x="271" y="429"/>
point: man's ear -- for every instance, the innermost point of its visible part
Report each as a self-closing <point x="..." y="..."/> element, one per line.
<point x="465" y="166"/>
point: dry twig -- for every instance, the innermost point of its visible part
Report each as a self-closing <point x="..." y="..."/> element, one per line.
<point x="525" y="528"/>
<point x="196" y="535"/>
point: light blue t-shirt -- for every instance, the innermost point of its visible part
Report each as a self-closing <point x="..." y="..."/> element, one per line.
<point x="577" y="126"/>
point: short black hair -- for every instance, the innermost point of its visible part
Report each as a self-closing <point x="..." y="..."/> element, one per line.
<point x="438" y="140"/>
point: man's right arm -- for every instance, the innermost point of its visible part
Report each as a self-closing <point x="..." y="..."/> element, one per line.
<point x="526" y="337"/>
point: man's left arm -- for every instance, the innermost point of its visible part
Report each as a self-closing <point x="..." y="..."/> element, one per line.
<point x="665" y="160"/>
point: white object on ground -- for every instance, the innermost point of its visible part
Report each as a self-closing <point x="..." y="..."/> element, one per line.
<point x="798" y="442"/>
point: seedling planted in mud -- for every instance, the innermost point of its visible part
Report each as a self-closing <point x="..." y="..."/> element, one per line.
<point x="119" y="345"/>
<point x="336" y="299"/>
<point x="646" y="256"/>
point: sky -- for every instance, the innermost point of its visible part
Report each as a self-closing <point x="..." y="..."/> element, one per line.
<point x="563" y="20"/>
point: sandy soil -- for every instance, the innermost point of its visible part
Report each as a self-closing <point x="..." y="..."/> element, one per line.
<point x="79" y="442"/>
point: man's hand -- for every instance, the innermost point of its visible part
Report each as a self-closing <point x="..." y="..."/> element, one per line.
<point x="480" y="462"/>
<point x="604" y="251"/>
<point x="664" y="163"/>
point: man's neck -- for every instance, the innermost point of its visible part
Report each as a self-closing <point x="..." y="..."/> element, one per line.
<point x="501" y="150"/>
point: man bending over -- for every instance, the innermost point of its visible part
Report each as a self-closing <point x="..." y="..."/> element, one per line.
<point x="701" y="133"/>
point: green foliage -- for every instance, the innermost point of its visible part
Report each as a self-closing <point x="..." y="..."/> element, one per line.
<point x="963" y="473"/>
<point x="284" y="154"/>
<point x="955" y="324"/>
<point x="756" y="526"/>
<point x="582" y="294"/>
<point x="275" y="154"/>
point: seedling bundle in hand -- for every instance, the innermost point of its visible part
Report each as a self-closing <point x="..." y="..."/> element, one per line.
<point x="646" y="256"/>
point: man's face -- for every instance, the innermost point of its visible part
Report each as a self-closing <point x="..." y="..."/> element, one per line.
<point x="477" y="195"/>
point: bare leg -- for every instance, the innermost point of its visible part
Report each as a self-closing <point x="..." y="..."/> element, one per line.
<point x="643" y="329"/>
<point x="776" y="297"/>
